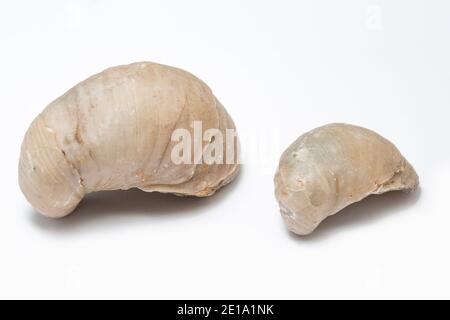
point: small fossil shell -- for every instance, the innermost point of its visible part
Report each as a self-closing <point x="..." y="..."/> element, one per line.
<point x="331" y="167"/>
<point x="113" y="131"/>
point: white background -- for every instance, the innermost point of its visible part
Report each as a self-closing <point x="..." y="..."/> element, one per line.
<point x="281" y="68"/>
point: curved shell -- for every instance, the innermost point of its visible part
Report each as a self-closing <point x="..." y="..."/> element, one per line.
<point x="113" y="131"/>
<point x="331" y="167"/>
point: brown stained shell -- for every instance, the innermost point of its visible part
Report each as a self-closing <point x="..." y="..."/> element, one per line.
<point x="331" y="167"/>
<point x="113" y="131"/>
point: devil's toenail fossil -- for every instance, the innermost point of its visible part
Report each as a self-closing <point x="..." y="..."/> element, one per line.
<point x="331" y="167"/>
<point x="114" y="131"/>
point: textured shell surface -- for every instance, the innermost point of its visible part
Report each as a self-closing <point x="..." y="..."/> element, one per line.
<point x="333" y="166"/>
<point x="113" y="131"/>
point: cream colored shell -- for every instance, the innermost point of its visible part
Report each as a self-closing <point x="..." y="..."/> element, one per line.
<point x="113" y="131"/>
<point x="331" y="167"/>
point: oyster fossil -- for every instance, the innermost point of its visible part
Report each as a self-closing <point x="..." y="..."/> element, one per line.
<point x="113" y="131"/>
<point x="331" y="167"/>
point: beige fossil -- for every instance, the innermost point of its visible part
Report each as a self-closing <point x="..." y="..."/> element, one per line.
<point x="113" y="131"/>
<point x="333" y="166"/>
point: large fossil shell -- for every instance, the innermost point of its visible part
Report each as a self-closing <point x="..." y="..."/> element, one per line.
<point x="331" y="167"/>
<point x="113" y="131"/>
